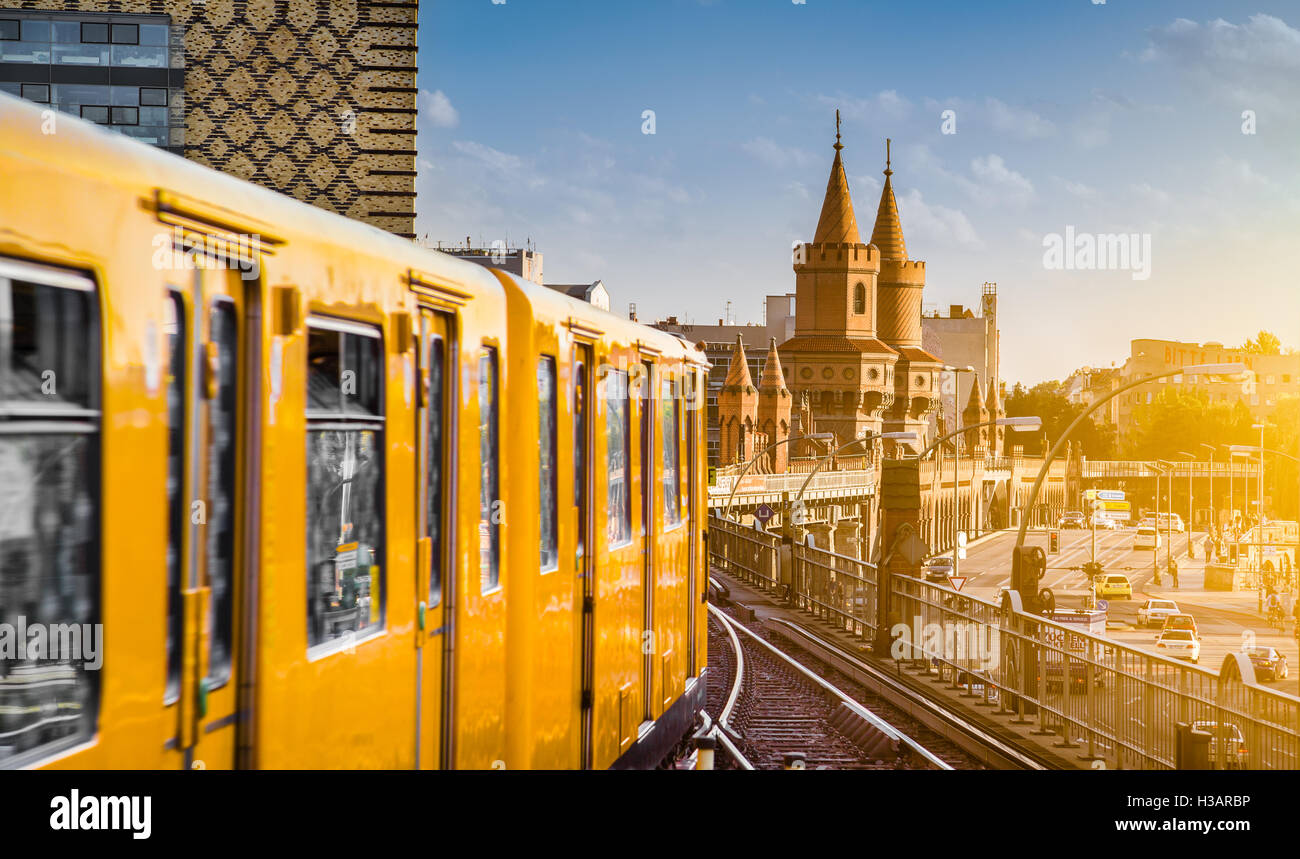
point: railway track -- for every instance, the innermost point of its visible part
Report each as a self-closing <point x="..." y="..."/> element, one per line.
<point x="952" y="737"/>
<point x="773" y="707"/>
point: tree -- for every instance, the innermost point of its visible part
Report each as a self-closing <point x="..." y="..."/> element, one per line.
<point x="1267" y="343"/>
<point x="1047" y="400"/>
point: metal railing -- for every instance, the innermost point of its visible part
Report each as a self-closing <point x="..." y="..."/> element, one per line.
<point x="835" y="588"/>
<point x="749" y="554"/>
<point x="1137" y="468"/>
<point x="1114" y="703"/>
<point x="766" y="484"/>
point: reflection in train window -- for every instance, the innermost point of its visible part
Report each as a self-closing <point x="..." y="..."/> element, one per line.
<point x="580" y="448"/>
<point x="345" y="484"/>
<point x="436" y="414"/>
<point x="546" y="430"/>
<point x="174" y="329"/>
<point x="489" y="519"/>
<point x="221" y="490"/>
<point x="671" y="444"/>
<point x="49" y="473"/>
<point x="618" y="431"/>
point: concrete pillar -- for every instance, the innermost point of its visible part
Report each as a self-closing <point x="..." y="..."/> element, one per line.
<point x="900" y="503"/>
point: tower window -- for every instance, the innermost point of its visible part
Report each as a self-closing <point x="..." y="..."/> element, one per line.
<point x="859" y="299"/>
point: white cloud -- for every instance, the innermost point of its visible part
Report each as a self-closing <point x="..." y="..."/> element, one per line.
<point x="929" y="223"/>
<point x="1079" y="189"/>
<point x="1256" y="60"/>
<point x="1150" y="194"/>
<point x="999" y="182"/>
<point x="887" y="103"/>
<point x="1017" y="122"/>
<point x="494" y="158"/>
<point x="436" y="107"/>
<point x="774" y="154"/>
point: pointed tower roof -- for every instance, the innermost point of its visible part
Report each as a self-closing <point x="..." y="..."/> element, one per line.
<point x="837" y="222"/>
<point x="773" y="376"/>
<point x="738" y="373"/>
<point x="888" y="232"/>
<point x="975" y="405"/>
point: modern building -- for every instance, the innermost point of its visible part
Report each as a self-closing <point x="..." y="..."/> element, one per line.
<point x="964" y="338"/>
<point x="1270" y="378"/>
<point x="593" y="293"/>
<point x="521" y="262"/>
<point x="315" y="100"/>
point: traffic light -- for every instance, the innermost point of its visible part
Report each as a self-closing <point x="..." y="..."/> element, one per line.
<point x="1092" y="570"/>
<point x="1056" y="542"/>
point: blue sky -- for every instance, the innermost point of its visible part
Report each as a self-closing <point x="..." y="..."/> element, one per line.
<point x="1122" y="117"/>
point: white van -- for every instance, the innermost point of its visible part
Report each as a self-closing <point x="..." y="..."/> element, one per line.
<point x="1146" y="538"/>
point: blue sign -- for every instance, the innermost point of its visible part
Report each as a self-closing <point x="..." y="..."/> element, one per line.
<point x="763" y="513"/>
<point x="1110" y="494"/>
<point x="1103" y="605"/>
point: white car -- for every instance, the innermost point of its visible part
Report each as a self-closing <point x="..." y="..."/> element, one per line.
<point x="1174" y="524"/>
<point x="1104" y="523"/>
<point x="1154" y="612"/>
<point x="1179" y="643"/>
<point x="1147" y="538"/>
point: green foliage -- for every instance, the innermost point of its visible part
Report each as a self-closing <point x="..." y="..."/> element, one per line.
<point x="1267" y="343"/>
<point x="1047" y="401"/>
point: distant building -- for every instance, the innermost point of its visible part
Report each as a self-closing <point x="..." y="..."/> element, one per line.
<point x="964" y="339"/>
<point x="594" y="294"/>
<point x="520" y="262"/>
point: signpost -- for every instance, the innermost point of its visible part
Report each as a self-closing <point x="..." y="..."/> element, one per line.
<point x="957" y="582"/>
<point x="764" y="513"/>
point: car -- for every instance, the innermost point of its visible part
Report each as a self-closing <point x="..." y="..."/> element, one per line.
<point x="1269" y="663"/>
<point x="1073" y="519"/>
<point x="1172" y="522"/>
<point x="938" y="569"/>
<point x="1146" y="538"/>
<point x="1179" y="643"/>
<point x="1114" y="585"/>
<point x="1104" y="522"/>
<point x="1154" y="612"/>
<point x="1233" y="749"/>
<point x="1147" y="522"/>
<point x="1182" y="620"/>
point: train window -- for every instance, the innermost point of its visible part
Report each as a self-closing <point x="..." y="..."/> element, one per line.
<point x="546" y="431"/>
<point x="433" y="465"/>
<point x="49" y="499"/>
<point x="489" y="520"/>
<point x="345" y="483"/>
<point x="580" y="446"/>
<point x="174" y="329"/>
<point x="618" y="432"/>
<point x="670" y="440"/>
<point x="222" y="429"/>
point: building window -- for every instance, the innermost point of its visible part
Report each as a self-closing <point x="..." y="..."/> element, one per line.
<point x="126" y="34"/>
<point x="10" y="30"/>
<point x="49" y="503"/>
<point x="546" y="469"/>
<point x="345" y="482"/>
<point x="153" y="97"/>
<point x="94" y="34"/>
<point x="859" y="299"/>
<point x="37" y="92"/>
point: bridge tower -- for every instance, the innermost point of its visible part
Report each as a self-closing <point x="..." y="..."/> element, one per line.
<point x="737" y="410"/>
<point x="774" y="405"/>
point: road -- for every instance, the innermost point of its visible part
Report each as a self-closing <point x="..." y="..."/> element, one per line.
<point x="1225" y="621"/>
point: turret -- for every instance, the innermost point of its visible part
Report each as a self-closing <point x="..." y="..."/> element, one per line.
<point x="737" y="410"/>
<point x="774" y="405"/>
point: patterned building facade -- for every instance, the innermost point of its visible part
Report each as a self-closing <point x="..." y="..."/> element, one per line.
<point x="855" y="364"/>
<point x="312" y="98"/>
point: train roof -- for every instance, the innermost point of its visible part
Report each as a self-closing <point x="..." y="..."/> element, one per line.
<point x="112" y="158"/>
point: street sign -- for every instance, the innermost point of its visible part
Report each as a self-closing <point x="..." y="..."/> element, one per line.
<point x="763" y="513"/>
<point x="1103" y="605"/>
<point x="956" y="582"/>
<point x="1117" y="505"/>
<point x="1110" y="494"/>
<point x="1090" y="494"/>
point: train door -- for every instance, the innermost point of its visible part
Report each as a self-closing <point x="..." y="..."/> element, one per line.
<point x="584" y="587"/>
<point x="212" y="360"/>
<point x="689" y="392"/>
<point x="647" y="538"/>
<point x="434" y="547"/>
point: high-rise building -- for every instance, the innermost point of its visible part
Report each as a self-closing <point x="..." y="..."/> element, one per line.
<point x="313" y="99"/>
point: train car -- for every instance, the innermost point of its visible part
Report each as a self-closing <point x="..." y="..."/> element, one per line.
<point x="271" y="495"/>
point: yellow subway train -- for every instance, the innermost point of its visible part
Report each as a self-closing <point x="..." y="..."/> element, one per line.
<point x="281" y="490"/>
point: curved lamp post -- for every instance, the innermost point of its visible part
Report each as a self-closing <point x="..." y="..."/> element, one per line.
<point x="1192" y="369"/>
<point x="896" y="436"/>
<point x="820" y="436"/>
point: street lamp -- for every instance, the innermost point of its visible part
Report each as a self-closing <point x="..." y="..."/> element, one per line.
<point x="956" y="457"/>
<point x="1259" y="520"/>
<point x="820" y="436"/>
<point x="1028" y="423"/>
<point x="1163" y="467"/>
<point x="1214" y="511"/>
<point x="1196" y="369"/>
<point x="1191" y="506"/>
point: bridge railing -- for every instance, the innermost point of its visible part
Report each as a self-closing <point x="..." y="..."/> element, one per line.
<point x="754" y="484"/>
<point x="1095" y="469"/>
<point x="747" y="553"/>
<point x="836" y="588"/>
<point x="1107" y="701"/>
